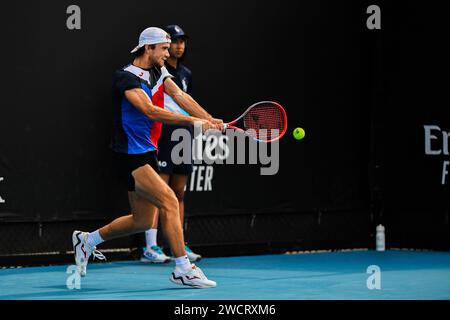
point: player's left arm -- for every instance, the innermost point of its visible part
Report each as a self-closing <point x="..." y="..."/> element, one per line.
<point x="186" y="102"/>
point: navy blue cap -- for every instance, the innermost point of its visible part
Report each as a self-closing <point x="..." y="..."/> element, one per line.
<point x="175" y="32"/>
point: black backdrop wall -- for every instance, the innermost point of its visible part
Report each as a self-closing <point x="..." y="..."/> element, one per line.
<point x="410" y="188"/>
<point x="363" y="97"/>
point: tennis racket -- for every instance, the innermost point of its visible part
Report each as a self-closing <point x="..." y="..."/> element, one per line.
<point x="264" y="121"/>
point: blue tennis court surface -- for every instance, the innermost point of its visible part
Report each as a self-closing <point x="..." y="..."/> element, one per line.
<point x="331" y="275"/>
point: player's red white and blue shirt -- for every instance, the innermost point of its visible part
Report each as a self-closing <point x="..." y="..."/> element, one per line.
<point x="133" y="131"/>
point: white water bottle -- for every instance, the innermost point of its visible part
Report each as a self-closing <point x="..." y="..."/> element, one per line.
<point x="380" y="238"/>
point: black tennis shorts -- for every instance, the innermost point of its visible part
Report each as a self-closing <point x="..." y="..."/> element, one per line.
<point x="125" y="164"/>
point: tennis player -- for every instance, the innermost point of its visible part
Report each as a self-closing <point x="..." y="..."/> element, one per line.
<point x="138" y="111"/>
<point x="175" y="175"/>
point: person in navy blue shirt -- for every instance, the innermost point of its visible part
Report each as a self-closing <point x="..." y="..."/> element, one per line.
<point x="175" y="175"/>
<point x="138" y="110"/>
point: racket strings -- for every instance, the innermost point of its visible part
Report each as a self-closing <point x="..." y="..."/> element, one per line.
<point x="265" y="121"/>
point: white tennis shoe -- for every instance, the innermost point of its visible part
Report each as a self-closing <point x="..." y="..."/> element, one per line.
<point x="194" y="277"/>
<point x="154" y="255"/>
<point x="82" y="251"/>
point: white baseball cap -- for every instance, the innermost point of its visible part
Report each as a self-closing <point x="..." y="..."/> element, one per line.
<point x="152" y="35"/>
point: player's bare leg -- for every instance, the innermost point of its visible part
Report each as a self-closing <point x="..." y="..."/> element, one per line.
<point x="166" y="178"/>
<point x="143" y="214"/>
<point x="178" y="183"/>
<point x="151" y="193"/>
<point x="153" y="253"/>
<point x="147" y="182"/>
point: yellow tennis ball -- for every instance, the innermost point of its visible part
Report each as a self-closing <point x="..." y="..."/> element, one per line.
<point x="299" y="133"/>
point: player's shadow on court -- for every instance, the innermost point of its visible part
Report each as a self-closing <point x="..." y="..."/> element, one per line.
<point x="63" y="292"/>
<point x="64" y="288"/>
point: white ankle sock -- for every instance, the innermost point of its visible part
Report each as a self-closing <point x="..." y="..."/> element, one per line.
<point x="183" y="263"/>
<point x="94" y="239"/>
<point x="150" y="237"/>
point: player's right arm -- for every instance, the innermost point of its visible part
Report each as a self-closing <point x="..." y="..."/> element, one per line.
<point x="140" y="100"/>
